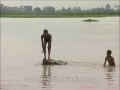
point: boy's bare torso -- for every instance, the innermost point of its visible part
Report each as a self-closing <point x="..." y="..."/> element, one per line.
<point x="110" y="60"/>
<point x="46" y="36"/>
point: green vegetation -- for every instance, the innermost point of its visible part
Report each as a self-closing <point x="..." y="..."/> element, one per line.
<point x="52" y="16"/>
<point x="57" y="14"/>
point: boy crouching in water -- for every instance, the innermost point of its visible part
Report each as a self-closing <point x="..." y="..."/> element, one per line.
<point x="109" y="58"/>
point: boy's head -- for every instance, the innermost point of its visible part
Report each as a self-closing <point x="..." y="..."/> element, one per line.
<point x="45" y="31"/>
<point x="109" y="52"/>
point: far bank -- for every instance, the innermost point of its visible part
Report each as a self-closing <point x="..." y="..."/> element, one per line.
<point x="55" y="16"/>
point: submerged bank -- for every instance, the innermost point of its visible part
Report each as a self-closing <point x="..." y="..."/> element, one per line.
<point x="54" y="16"/>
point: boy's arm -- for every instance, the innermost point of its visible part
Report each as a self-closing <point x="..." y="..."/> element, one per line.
<point x="114" y="62"/>
<point x="51" y="38"/>
<point x="105" y="61"/>
<point x="42" y="40"/>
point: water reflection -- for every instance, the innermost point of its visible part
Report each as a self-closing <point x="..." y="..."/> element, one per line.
<point x="46" y="78"/>
<point x="110" y="75"/>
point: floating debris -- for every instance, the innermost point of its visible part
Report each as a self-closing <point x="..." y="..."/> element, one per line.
<point x="91" y="20"/>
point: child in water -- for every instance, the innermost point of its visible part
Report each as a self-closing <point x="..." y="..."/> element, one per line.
<point x="46" y="38"/>
<point x="109" y="58"/>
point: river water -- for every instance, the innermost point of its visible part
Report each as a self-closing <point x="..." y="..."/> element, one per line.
<point x="82" y="44"/>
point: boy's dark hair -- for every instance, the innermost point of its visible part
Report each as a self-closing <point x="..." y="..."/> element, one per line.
<point x="109" y="51"/>
<point x="45" y="31"/>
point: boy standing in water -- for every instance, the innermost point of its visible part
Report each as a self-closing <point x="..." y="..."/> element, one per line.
<point x="46" y="38"/>
<point x="109" y="58"/>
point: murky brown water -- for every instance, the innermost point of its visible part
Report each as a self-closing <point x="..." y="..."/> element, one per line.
<point x="83" y="45"/>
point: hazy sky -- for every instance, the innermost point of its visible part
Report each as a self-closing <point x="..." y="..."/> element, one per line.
<point x="58" y="4"/>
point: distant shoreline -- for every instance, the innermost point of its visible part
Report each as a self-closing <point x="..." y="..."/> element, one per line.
<point x="55" y="16"/>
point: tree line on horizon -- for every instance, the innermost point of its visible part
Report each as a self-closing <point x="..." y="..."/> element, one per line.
<point x="49" y="10"/>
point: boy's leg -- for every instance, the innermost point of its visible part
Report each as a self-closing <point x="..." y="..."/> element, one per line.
<point x="49" y="50"/>
<point x="44" y="49"/>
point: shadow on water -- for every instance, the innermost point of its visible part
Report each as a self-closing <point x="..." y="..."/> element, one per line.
<point x="110" y="71"/>
<point x="46" y="78"/>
